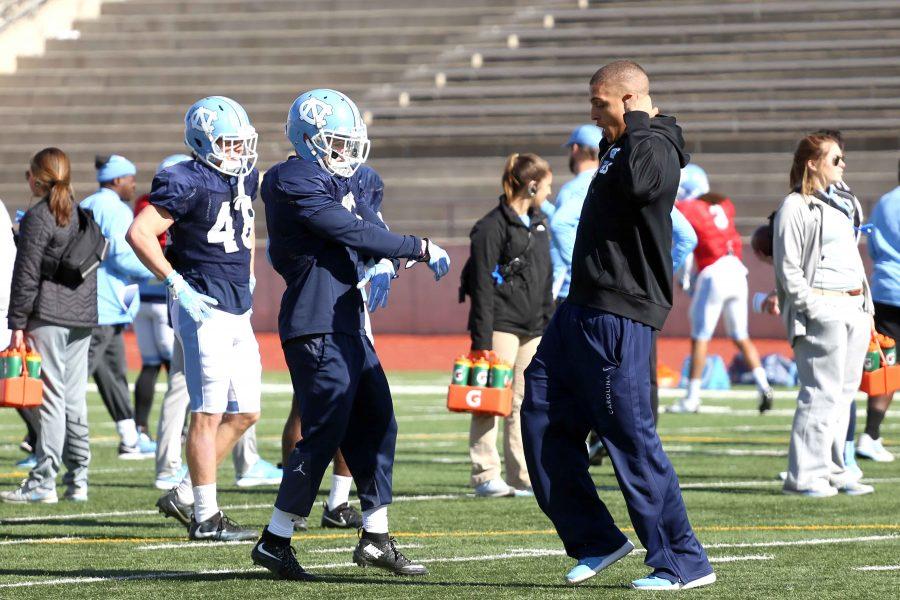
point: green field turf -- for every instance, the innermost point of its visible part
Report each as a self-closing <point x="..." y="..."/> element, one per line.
<point x="764" y="544"/>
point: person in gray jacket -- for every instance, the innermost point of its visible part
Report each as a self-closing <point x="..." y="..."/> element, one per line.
<point x="55" y="319"/>
<point x="827" y="308"/>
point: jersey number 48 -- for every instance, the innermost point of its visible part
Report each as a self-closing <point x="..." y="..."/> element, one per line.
<point x="222" y="231"/>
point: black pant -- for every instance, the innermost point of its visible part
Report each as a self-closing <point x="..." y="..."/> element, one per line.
<point x="106" y="362"/>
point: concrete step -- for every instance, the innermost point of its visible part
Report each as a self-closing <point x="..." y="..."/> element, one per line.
<point x="77" y="57"/>
<point x="169" y="24"/>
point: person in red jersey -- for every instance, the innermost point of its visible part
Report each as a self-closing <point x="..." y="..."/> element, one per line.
<point x="720" y="287"/>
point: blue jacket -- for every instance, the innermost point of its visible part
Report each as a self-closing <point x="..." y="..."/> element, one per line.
<point x="884" y="248"/>
<point x="118" y="275"/>
<point x="316" y="239"/>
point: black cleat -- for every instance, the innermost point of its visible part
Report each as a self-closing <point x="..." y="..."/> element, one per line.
<point x="169" y="506"/>
<point x="280" y="559"/>
<point x="765" y="400"/>
<point x="219" y="528"/>
<point x="380" y="550"/>
<point x="343" y="516"/>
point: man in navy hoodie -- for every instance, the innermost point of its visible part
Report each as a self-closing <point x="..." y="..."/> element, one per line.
<point x="592" y="368"/>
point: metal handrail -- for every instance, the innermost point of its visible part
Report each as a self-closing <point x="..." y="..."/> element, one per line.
<point x="13" y="10"/>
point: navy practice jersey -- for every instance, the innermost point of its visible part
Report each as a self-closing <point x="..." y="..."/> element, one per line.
<point x="211" y="239"/>
<point x="368" y="188"/>
<point x="316" y="237"/>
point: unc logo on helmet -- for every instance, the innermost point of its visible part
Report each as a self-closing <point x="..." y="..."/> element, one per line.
<point x="218" y="131"/>
<point x="314" y="111"/>
<point x="203" y="120"/>
<point x="325" y="126"/>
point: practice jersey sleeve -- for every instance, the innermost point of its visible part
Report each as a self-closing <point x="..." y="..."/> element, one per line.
<point x="327" y="218"/>
<point x="175" y="194"/>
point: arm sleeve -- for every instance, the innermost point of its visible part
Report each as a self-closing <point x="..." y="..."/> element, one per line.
<point x="34" y="237"/>
<point x="563" y="227"/>
<point x="174" y="194"/>
<point x="649" y="160"/>
<point x="788" y="254"/>
<point x="875" y="241"/>
<point x="684" y="239"/>
<point x="485" y="251"/>
<point x="328" y="219"/>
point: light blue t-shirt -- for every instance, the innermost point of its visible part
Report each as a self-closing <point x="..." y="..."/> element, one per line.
<point x="564" y="225"/>
<point x="884" y="248"/>
<point x="117" y="300"/>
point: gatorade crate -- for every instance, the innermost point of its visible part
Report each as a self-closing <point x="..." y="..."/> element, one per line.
<point x="21" y="392"/>
<point x="881" y="381"/>
<point x="480" y="400"/>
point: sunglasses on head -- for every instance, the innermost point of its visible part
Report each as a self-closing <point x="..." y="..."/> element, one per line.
<point x="837" y="159"/>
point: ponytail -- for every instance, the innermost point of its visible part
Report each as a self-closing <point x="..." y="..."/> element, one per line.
<point x="521" y="169"/>
<point x="51" y="172"/>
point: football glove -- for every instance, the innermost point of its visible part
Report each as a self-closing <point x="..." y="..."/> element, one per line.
<point x="198" y="306"/>
<point x="437" y="258"/>
<point x="379" y="275"/>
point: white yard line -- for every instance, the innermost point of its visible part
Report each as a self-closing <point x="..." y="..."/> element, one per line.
<point x="129" y="513"/>
<point x="764" y="483"/>
<point x="878" y="568"/>
<point x="806" y="542"/>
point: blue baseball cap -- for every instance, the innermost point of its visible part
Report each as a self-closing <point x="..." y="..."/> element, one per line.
<point x="587" y="136"/>
<point x="113" y="166"/>
<point x="693" y="184"/>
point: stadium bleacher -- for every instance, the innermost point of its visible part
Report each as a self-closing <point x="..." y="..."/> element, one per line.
<point x="450" y="90"/>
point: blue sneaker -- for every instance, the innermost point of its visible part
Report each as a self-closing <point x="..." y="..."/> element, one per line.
<point x="262" y="473"/>
<point x="167" y="482"/>
<point x="850" y="459"/>
<point x="653" y="583"/>
<point x="590" y="566"/>
<point x="144" y="449"/>
<point x="29" y="462"/>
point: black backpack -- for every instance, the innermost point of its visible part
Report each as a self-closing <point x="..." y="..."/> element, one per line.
<point x="82" y="256"/>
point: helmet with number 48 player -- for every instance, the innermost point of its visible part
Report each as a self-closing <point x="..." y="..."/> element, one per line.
<point x="325" y="126"/>
<point x="219" y="132"/>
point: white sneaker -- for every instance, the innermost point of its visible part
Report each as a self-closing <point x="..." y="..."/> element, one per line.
<point x="819" y="489"/>
<point x="685" y="405"/>
<point x="495" y="488"/>
<point x="857" y="489"/>
<point x="873" y="449"/>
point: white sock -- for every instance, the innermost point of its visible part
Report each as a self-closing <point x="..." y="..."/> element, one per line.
<point x="340" y="491"/>
<point x="205" y="505"/>
<point x="184" y="491"/>
<point x="127" y="431"/>
<point x="693" y="391"/>
<point x="375" y="520"/>
<point x="759" y="376"/>
<point x="282" y="523"/>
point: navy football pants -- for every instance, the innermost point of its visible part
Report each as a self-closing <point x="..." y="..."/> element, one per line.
<point x="344" y="402"/>
<point x="591" y="371"/>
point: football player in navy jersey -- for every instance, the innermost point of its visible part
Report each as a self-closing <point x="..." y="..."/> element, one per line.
<point x="205" y="205"/>
<point x="319" y="242"/>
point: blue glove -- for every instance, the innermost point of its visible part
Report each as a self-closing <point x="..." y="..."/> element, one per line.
<point x="198" y="306"/>
<point x="438" y="260"/>
<point x="380" y="276"/>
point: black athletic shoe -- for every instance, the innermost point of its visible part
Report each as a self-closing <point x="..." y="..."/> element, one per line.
<point x="169" y="505"/>
<point x="380" y="550"/>
<point x="280" y="559"/>
<point x="343" y="516"/>
<point x="219" y="528"/>
<point x="765" y="400"/>
<point x="300" y="524"/>
<point x="596" y="449"/>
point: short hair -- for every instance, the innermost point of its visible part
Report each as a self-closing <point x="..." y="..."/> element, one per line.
<point x="624" y="73"/>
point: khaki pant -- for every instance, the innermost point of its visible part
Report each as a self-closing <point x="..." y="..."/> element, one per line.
<point x="517" y="351"/>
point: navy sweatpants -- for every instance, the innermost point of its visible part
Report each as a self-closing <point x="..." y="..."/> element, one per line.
<point x="345" y="403"/>
<point x="591" y="371"/>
